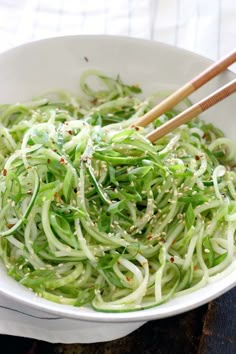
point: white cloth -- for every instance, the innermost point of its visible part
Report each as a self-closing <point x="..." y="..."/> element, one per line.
<point x="207" y="27"/>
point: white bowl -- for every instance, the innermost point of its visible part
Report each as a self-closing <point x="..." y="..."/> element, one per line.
<point x="56" y="63"/>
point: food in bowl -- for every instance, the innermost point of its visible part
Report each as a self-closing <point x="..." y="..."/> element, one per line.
<point x="93" y="213"/>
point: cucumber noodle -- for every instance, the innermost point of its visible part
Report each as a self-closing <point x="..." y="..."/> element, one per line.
<point x="93" y="213"/>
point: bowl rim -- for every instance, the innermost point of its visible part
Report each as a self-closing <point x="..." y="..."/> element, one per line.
<point x="108" y="37"/>
<point x="66" y="311"/>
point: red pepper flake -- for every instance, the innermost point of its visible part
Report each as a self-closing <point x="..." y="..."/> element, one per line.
<point x="62" y="161"/>
<point x="128" y="278"/>
<point x="197" y="157"/>
<point x="172" y="259"/>
<point x="94" y="101"/>
<point x="135" y="127"/>
<point x="9" y="226"/>
<point x="48" y="161"/>
<point x="149" y="237"/>
<point x="70" y="132"/>
<point x="204" y="136"/>
<point x="57" y="198"/>
<point x="4" y="172"/>
<point x="195" y="268"/>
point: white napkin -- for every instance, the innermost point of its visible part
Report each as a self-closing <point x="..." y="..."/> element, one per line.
<point x="204" y="26"/>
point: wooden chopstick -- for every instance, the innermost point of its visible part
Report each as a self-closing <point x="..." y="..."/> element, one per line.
<point x="187" y="89"/>
<point x="193" y="111"/>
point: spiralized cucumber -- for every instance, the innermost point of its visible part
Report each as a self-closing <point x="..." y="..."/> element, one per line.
<point x="91" y="213"/>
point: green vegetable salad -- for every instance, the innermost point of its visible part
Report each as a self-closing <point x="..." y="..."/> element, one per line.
<point x="92" y="213"/>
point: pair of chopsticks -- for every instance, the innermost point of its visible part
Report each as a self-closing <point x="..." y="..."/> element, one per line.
<point x="185" y="91"/>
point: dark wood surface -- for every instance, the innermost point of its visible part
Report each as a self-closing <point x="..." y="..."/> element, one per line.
<point x="210" y="329"/>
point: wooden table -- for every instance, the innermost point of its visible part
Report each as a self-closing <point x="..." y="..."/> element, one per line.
<point x="210" y="329"/>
